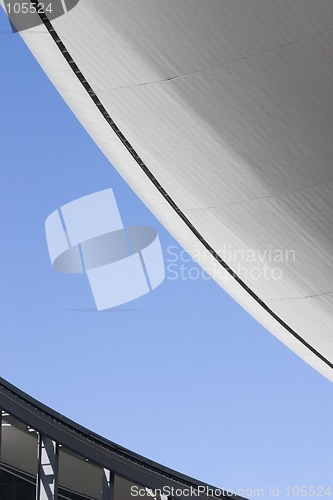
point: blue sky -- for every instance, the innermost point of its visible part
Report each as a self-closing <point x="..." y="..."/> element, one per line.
<point x="182" y="375"/>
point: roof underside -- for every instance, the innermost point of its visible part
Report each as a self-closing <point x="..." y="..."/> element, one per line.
<point x="227" y="105"/>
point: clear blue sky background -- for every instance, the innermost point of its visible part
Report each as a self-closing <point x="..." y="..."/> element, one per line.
<point x="183" y="375"/>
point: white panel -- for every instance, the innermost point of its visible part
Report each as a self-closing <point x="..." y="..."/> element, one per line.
<point x="91" y="216"/>
<point x="153" y="260"/>
<point x="55" y="236"/>
<point x="117" y="283"/>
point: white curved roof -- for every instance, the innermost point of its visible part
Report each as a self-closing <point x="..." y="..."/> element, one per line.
<point x="227" y="106"/>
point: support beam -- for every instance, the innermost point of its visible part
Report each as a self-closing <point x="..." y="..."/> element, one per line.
<point x="0" y="432"/>
<point x="47" y="475"/>
<point x="107" y="485"/>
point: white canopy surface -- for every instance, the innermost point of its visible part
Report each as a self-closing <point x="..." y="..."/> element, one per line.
<point x="218" y="113"/>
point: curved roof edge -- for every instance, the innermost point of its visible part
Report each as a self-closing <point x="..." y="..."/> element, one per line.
<point x="92" y="446"/>
<point x="51" y="53"/>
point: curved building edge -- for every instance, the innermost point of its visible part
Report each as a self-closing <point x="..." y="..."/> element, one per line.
<point x="94" y="448"/>
<point x="50" y="51"/>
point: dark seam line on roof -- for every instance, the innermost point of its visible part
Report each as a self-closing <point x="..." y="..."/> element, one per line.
<point x="216" y="66"/>
<point x="77" y="72"/>
<point x="280" y="194"/>
<point x="304" y="297"/>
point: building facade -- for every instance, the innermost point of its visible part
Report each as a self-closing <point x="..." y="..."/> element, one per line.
<point x="45" y="456"/>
